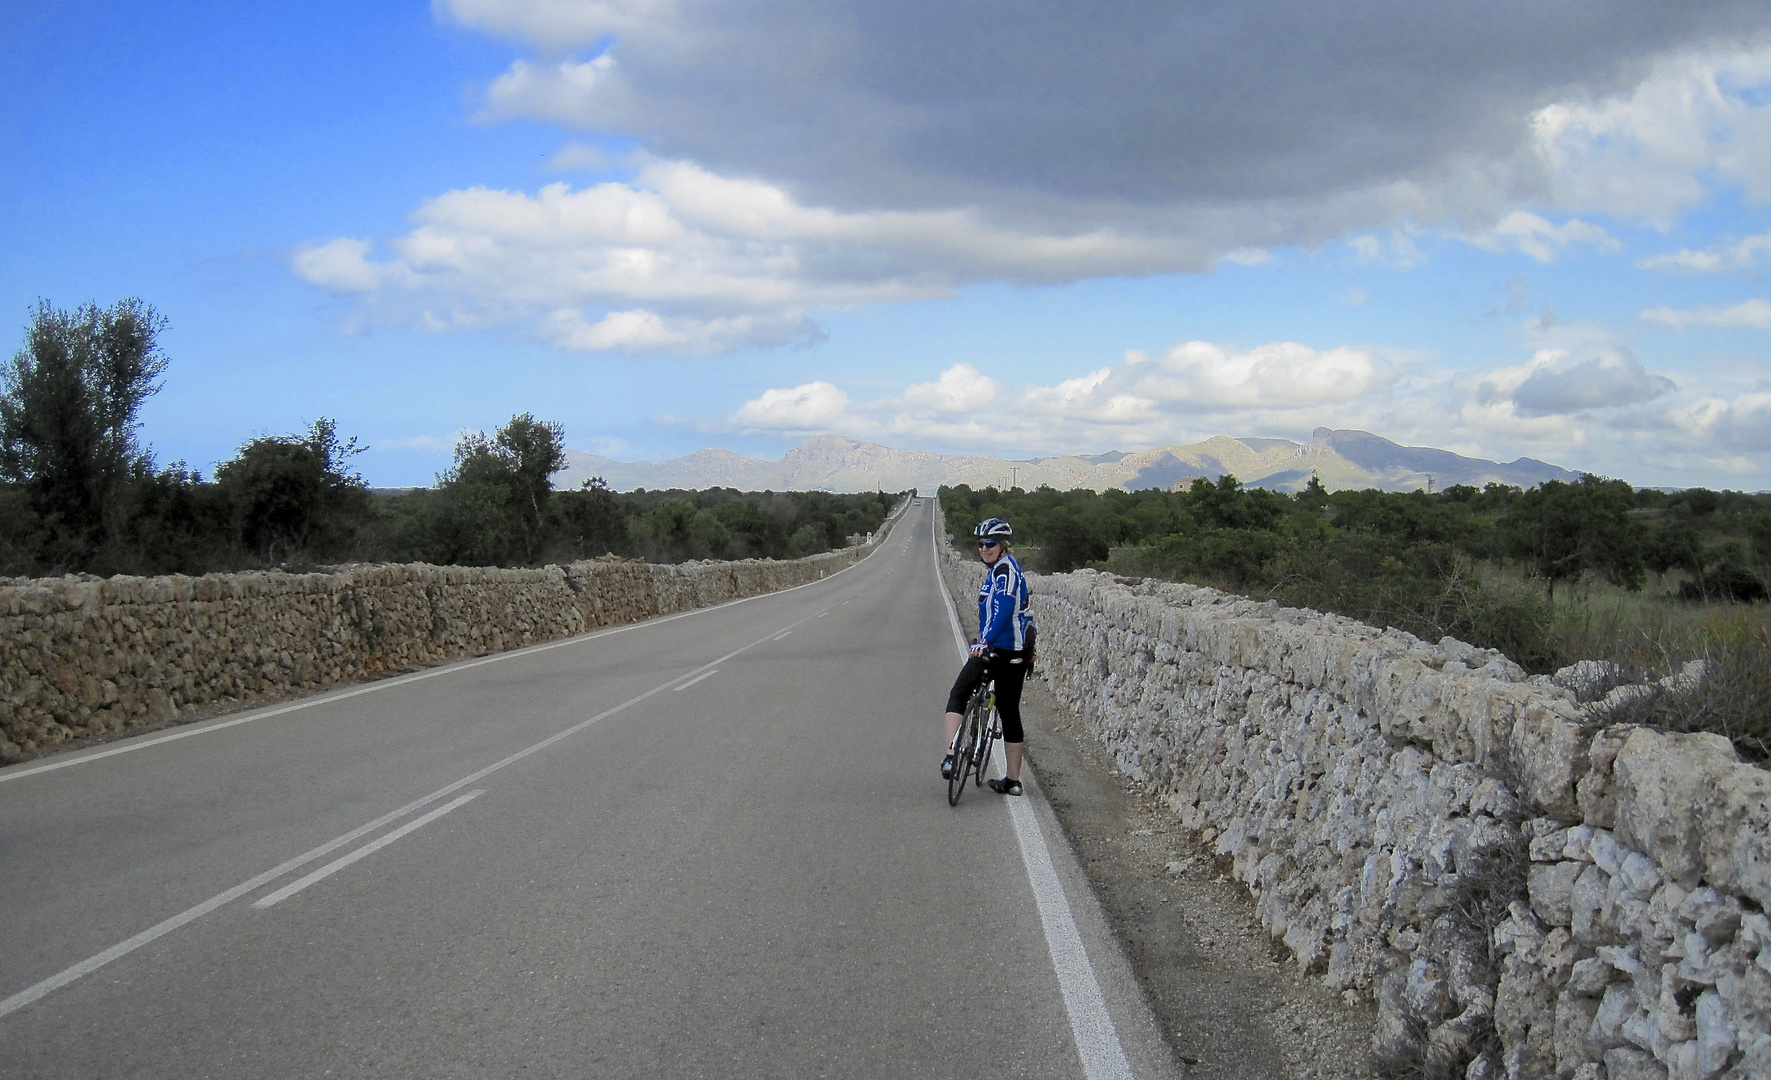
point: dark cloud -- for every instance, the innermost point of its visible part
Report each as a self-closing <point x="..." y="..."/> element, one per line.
<point x="916" y="103"/>
<point x="1596" y="382"/>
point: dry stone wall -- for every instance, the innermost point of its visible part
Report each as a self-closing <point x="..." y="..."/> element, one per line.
<point x="83" y="657"/>
<point x="1427" y="825"/>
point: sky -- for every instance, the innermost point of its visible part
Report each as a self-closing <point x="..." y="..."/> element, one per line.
<point x="1507" y="229"/>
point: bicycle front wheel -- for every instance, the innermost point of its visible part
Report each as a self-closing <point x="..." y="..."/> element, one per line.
<point x="990" y="726"/>
<point x="977" y="726"/>
<point x="963" y="750"/>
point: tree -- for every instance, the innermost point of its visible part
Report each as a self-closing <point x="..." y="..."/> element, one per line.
<point x="176" y="524"/>
<point x="1676" y="544"/>
<point x="1066" y="542"/>
<point x="291" y="495"/>
<point x="68" y="407"/>
<point x="1563" y="530"/>
<point x="1758" y="534"/>
<point x="587" y="522"/>
<point x="534" y="451"/>
<point x="1314" y="495"/>
<point x="499" y="489"/>
<point x="755" y="532"/>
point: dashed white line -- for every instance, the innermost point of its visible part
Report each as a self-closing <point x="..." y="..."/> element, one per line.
<point x="696" y="679"/>
<point x="365" y="851"/>
<point x="191" y="914"/>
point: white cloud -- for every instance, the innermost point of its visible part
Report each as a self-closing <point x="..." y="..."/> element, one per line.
<point x="681" y="260"/>
<point x="810" y="407"/>
<point x="1753" y="313"/>
<point x="1746" y="423"/>
<point x="1394" y="249"/>
<point x="1580" y="400"/>
<point x="1560" y="382"/>
<point x="1651" y="150"/>
<point x="1247" y="256"/>
<point x="1739" y="424"/>
<point x="1143" y="399"/>
<point x="959" y="389"/>
<point x="429" y="443"/>
<point x="553" y="25"/>
<point x="642" y="331"/>
<point x="578" y="157"/>
<point x="341" y="265"/>
<point x="555" y="92"/>
<point x="1537" y="237"/>
<point x="1281" y="375"/>
<point x="1744" y="254"/>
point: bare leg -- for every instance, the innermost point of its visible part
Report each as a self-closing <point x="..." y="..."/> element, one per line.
<point x="1014" y="750"/>
<point x="953" y="721"/>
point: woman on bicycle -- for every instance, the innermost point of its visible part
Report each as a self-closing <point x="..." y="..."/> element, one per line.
<point x="1003" y="651"/>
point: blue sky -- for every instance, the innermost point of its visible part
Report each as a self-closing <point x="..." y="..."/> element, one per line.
<point x="671" y="225"/>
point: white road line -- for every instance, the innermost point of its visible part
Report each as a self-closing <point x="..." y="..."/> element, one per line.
<point x="124" y="948"/>
<point x="363" y="852"/>
<point x="779" y="636"/>
<point x="327" y="698"/>
<point x="696" y="679"/>
<point x="1097" y="1040"/>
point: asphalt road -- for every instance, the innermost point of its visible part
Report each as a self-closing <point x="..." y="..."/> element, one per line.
<point x="708" y="845"/>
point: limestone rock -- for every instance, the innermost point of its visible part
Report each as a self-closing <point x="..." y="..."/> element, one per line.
<point x="1663" y="780"/>
<point x="1627" y="1063"/>
<point x="1551" y="888"/>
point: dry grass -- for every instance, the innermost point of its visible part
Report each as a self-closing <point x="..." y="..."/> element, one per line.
<point x="1648" y="635"/>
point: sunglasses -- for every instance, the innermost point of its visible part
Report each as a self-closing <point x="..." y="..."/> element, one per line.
<point x="982" y="544"/>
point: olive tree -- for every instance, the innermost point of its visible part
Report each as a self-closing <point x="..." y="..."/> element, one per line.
<point x="69" y="402"/>
<point x="292" y="496"/>
<point x="494" y="497"/>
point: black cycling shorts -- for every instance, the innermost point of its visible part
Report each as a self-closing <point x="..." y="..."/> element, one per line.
<point x="1009" y="669"/>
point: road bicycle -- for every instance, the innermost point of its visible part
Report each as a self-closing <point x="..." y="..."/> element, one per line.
<point x="978" y="733"/>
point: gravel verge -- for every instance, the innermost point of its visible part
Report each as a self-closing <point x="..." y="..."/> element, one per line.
<point x="1230" y="999"/>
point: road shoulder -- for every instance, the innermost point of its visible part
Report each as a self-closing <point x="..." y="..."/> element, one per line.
<point x="1230" y="1000"/>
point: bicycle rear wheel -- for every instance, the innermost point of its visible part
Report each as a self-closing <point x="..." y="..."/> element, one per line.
<point x="963" y="749"/>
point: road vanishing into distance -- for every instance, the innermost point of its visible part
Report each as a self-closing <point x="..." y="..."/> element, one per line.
<point x="708" y="845"/>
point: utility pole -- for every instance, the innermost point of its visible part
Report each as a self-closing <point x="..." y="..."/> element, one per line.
<point x="1429" y="483"/>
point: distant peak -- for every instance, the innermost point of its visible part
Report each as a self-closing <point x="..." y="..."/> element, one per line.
<point x="821" y="441"/>
<point x="831" y="462"/>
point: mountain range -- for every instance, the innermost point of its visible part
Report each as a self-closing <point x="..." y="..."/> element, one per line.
<point x="1342" y="459"/>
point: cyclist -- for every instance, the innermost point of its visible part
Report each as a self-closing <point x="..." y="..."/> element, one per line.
<point x="1003" y="651"/>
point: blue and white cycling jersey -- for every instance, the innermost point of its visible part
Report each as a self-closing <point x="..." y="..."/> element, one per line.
<point x="1003" y="619"/>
